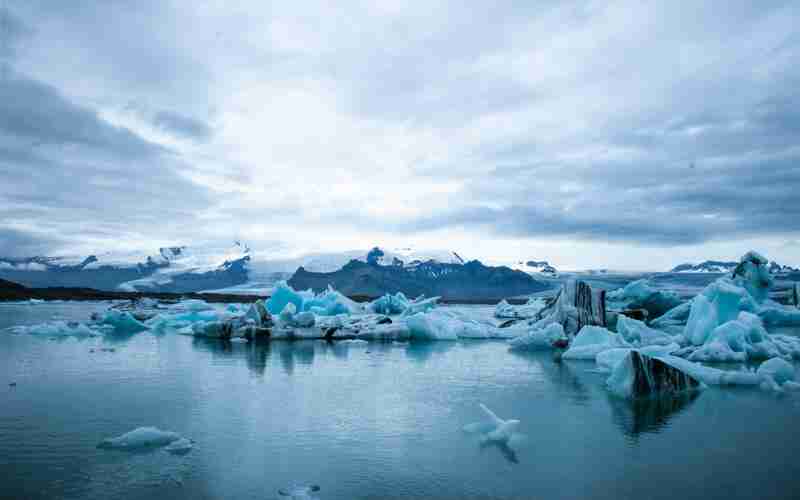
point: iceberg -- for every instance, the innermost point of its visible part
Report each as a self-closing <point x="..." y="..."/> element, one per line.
<point x="389" y="304"/>
<point x="327" y="303"/>
<point x="737" y="340"/>
<point x="638" y="375"/>
<point x="777" y="369"/>
<point x="609" y="359"/>
<point x="530" y="310"/>
<point x="576" y="305"/>
<point x="592" y="340"/>
<point x="422" y="326"/>
<point x="539" y="339"/>
<point x="640" y="294"/>
<point x="123" y="322"/>
<point x="637" y="333"/>
<point x="141" y="437"/>
<point x="398" y="304"/>
<point x="746" y="289"/>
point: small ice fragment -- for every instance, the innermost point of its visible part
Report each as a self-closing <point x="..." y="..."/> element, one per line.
<point x="299" y="492"/>
<point x="141" y="437"/>
<point x="181" y="446"/>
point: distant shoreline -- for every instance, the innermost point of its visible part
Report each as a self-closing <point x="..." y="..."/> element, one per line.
<point x="13" y="292"/>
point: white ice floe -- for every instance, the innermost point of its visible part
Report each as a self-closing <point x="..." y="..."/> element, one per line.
<point x="538" y="339"/>
<point x="495" y="429"/>
<point x="530" y="310"/>
<point x="58" y="329"/>
<point x="141" y="437"/>
<point x="592" y="340"/>
<point x="637" y="333"/>
<point x="180" y="446"/>
<point x="299" y="492"/>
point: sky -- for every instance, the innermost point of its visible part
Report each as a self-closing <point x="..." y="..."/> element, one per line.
<point x="624" y="135"/>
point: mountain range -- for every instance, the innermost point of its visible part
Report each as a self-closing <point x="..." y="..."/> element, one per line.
<point x="471" y="281"/>
<point x="237" y="270"/>
<point x="720" y="267"/>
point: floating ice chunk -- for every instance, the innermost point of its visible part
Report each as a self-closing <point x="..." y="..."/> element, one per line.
<point x="192" y="305"/>
<point x="713" y="376"/>
<point x="640" y="294"/>
<point x="636" y="332"/>
<point x="779" y="315"/>
<point x="304" y="319"/>
<point x="637" y="375"/>
<point x="778" y="369"/>
<point x="389" y="304"/>
<point x="737" y="340"/>
<point x="299" y="492"/>
<point x="421" y="306"/>
<point x="531" y="309"/>
<point x="331" y="303"/>
<point x="399" y="304"/>
<point x="677" y="316"/>
<point x="282" y="295"/>
<point x="608" y="360"/>
<point x="493" y="428"/>
<point x="592" y="340"/>
<point x="439" y="324"/>
<point x="57" y="329"/>
<point x="287" y="313"/>
<point x="142" y="437"/>
<point x="181" y="446"/>
<point x="259" y="314"/>
<point x="241" y="340"/>
<point x="429" y="326"/>
<point x="702" y="321"/>
<point x="123" y="322"/>
<point x="538" y="339"/>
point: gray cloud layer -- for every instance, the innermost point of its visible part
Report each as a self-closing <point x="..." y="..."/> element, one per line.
<point x="662" y="124"/>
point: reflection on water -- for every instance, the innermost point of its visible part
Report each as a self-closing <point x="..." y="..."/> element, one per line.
<point x="635" y="417"/>
<point x="505" y="450"/>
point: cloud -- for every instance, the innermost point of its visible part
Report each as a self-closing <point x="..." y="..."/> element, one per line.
<point x="183" y="126"/>
<point x="651" y="125"/>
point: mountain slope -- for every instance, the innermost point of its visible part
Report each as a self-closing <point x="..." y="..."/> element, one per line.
<point x="457" y="282"/>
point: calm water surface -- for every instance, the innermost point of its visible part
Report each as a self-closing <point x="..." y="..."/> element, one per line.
<point x="378" y="421"/>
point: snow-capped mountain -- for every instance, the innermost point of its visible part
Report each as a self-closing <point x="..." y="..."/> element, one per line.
<point x="535" y="268"/>
<point x="721" y="267"/>
<point x="453" y="281"/>
<point x="175" y="269"/>
<point x="234" y="268"/>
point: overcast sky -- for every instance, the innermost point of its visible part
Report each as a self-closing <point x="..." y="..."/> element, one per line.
<point x="630" y="135"/>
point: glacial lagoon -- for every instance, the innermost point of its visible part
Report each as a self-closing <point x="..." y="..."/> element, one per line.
<point x="364" y="420"/>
